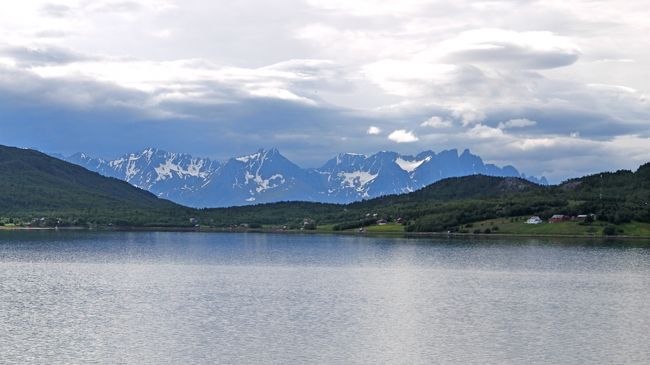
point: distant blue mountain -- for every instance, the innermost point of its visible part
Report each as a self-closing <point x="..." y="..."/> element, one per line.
<point x="262" y="177"/>
<point x="266" y="176"/>
<point x="174" y="176"/>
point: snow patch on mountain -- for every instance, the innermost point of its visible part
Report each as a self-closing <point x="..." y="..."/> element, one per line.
<point x="169" y="169"/>
<point x="245" y="159"/>
<point x="356" y="179"/>
<point x="265" y="184"/>
<point x="410" y="165"/>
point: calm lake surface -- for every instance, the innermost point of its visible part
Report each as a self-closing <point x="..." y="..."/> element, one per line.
<point x="200" y="298"/>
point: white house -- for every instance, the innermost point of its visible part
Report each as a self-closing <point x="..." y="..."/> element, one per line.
<point x="534" y="220"/>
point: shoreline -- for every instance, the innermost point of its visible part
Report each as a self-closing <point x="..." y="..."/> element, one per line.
<point x="394" y="234"/>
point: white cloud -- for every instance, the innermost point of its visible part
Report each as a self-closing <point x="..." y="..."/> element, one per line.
<point x="199" y="80"/>
<point x="528" y="50"/>
<point x="436" y="122"/>
<point x="372" y="130"/>
<point x="517" y="123"/>
<point x="403" y="136"/>
<point x="467" y="113"/>
<point x="410" y="78"/>
<point x="481" y="131"/>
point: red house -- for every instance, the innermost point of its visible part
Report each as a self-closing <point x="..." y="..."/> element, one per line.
<point x="556" y="218"/>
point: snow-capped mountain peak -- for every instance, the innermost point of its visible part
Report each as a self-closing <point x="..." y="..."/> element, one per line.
<point x="169" y="175"/>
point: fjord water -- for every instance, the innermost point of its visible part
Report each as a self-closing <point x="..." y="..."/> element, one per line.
<point x="175" y="298"/>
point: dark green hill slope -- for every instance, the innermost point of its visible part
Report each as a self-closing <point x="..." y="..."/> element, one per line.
<point x="460" y="188"/>
<point x="617" y="197"/>
<point x="33" y="184"/>
<point x="442" y="197"/>
<point x="466" y="199"/>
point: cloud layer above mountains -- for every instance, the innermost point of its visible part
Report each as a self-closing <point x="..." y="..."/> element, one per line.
<point x="556" y="88"/>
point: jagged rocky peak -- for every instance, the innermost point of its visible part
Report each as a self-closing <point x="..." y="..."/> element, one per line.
<point x="260" y="155"/>
<point x="344" y="159"/>
<point x="149" y="152"/>
<point x="349" y="157"/>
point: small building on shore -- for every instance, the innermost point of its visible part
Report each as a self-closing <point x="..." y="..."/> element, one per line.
<point x="585" y="217"/>
<point x="534" y="220"/>
<point x="556" y="218"/>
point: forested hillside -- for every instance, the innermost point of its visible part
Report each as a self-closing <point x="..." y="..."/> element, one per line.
<point x="616" y="198"/>
<point x="34" y="185"/>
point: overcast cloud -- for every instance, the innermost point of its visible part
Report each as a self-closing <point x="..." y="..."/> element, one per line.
<point x="556" y="88"/>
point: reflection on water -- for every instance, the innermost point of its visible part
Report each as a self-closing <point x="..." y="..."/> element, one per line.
<point x="155" y="298"/>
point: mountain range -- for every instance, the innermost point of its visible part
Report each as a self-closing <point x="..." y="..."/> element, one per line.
<point x="39" y="190"/>
<point x="267" y="176"/>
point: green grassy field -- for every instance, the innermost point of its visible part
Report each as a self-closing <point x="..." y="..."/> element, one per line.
<point x="518" y="226"/>
<point x="325" y="227"/>
<point x="390" y="227"/>
<point x="636" y="229"/>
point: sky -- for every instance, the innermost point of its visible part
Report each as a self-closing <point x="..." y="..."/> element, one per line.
<point x="555" y="88"/>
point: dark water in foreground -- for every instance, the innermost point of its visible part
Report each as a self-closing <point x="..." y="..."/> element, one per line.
<point x="193" y="298"/>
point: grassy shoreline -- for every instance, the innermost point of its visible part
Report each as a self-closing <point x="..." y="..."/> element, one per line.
<point x="367" y="233"/>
